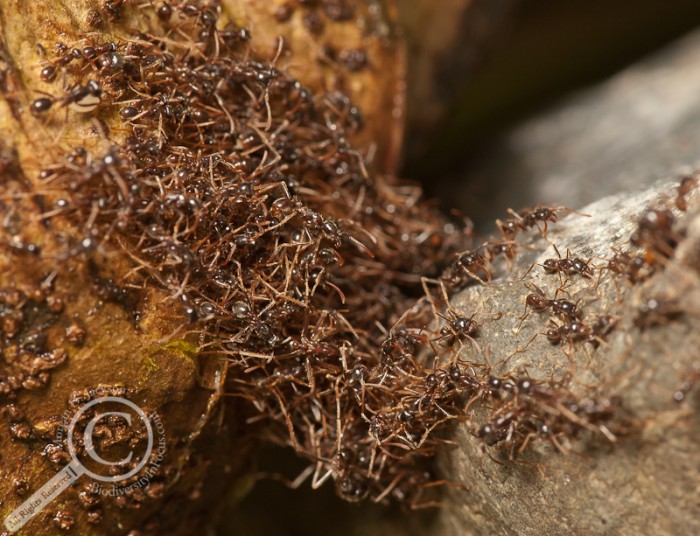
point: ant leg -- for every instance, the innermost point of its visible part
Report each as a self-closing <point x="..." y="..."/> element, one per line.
<point x="607" y="433"/>
<point x="424" y="283"/>
<point x="379" y="498"/>
<point x="318" y="482"/>
<point x="516" y="329"/>
<point x="291" y="484"/>
<point x="529" y="270"/>
<point x="570" y="353"/>
<point x="474" y="276"/>
<point x="476" y="344"/>
<point x="526" y="442"/>
<point x="561" y="448"/>
<point x="433" y="504"/>
<point x="517" y="351"/>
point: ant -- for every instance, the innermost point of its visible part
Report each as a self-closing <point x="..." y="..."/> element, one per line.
<point x="409" y="487"/>
<point x="466" y="264"/>
<point x="566" y="309"/>
<point x="687" y="185"/>
<point x="509" y="250"/>
<point x="401" y="341"/>
<point x="634" y="268"/>
<point x="509" y="228"/>
<point x="532" y="217"/>
<point x="539" y="303"/>
<point x="89" y="53"/>
<point x="82" y="99"/>
<point x="568" y="266"/>
<point x="655" y="233"/>
<point x="601" y="328"/>
<point x="322" y="350"/>
<point x="576" y="330"/>
<point x="457" y="329"/>
<point x="327" y="228"/>
<point x="656" y="311"/>
<point x="528" y="218"/>
<point x="573" y="331"/>
<point x="114" y="8"/>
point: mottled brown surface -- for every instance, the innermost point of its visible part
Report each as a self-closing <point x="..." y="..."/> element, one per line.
<point x="150" y="363"/>
<point x="126" y="341"/>
<point x="376" y="85"/>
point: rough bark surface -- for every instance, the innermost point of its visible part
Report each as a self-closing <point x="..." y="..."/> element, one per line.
<point x="623" y="135"/>
<point x="51" y="288"/>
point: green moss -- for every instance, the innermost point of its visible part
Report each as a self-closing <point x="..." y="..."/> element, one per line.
<point x="179" y="348"/>
<point x="182" y="348"/>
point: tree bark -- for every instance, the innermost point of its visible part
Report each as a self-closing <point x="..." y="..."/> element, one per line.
<point x="98" y="345"/>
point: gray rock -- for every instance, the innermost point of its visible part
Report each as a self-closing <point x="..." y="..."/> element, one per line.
<point x="641" y="479"/>
<point x="630" y="131"/>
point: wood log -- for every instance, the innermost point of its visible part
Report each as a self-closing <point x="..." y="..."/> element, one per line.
<point x="71" y="332"/>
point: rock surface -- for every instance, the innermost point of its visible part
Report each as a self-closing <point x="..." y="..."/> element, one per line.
<point x="641" y="480"/>
<point x="636" y="128"/>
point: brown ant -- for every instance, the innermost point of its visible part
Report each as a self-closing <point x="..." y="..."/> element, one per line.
<point x="401" y="342"/>
<point x="82" y="99"/>
<point x="48" y="73"/>
<point x="457" y="329"/>
<point x="509" y="250"/>
<point x="656" y="311"/>
<point x="603" y="325"/>
<point x="465" y="268"/>
<point x="114" y="8"/>
<point x="88" y="53"/>
<point x="573" y="331"/>
<point x="509" y="228"/>
<point x="568" y="265"/>
<point x="528" y="218"/>
<point x="634" y="268"/>
<point x="655" y="233"/>
<point x="41" y="105"/>
<point x="565" y="308"/>
<point x="532" y="217"/>
<point x="576" y="330"/>
<point x="539" y="303"/>
<point x="687" y="185"/>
